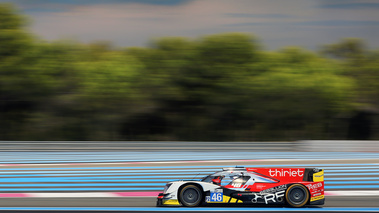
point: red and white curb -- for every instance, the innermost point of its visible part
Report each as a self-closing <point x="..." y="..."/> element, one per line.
<point x="79" y="194"/>
<point x="150" y="194"/>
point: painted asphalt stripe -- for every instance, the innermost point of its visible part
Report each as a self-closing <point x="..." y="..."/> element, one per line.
<point x="146" y="188"/>
<point x="351" y="178"/>
<point x="72" y="195"/>
<point x="154" y="194"/>
<point x="340" y="185"/>
<point x="81" y="184"/>
<point x="94" y="194"/>
<point x="152" y="183"/>
<point x="158" y="174"/>
<point x="226" y="209"/>
<point x="79" y="189"/>
<point x="80" y="179"/>
<point x="185" y="161"/>
<point x="324" y="166"/>
<point x="350" y="182"/>
<point x="179" y="171"/>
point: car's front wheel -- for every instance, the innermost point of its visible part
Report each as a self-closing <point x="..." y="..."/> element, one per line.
<point x="297" y="195"/>
<point x="190" y="196"/>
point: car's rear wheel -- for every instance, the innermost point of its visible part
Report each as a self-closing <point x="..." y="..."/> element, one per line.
<point x="297" y="195"/>
<point x="190" y="196"/>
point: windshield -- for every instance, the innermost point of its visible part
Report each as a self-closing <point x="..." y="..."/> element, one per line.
<point x="208" y="178"/>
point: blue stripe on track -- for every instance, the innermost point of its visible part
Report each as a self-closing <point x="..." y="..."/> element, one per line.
<point x="111" y="171"/>
<point x="178" y="171"/>
<point x="81" y="184"/>
<point x="350" y="182"/>
<point x="156" y="175"/>
<point x="115" y="172"/>
<point x="326" y="166"/>
<point x="82" y="189"/>
<point x="152" y="188"/>
<point x="169" y="173"/>
<point x="352" y="178"/>
<point x="350" y="174"/>
<point x="76" y="179"/>
<point x="228" y="209"/>
<point x="153" y="183"/>
<point x="62" y="157"/>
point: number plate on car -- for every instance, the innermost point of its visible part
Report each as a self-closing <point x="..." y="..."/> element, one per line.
<point x="216" y="197"/>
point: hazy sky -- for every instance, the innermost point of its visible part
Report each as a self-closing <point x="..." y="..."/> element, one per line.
<point x="277" y="23"/>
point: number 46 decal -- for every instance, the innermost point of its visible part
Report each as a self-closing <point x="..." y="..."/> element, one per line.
<point x="216" y="197"/>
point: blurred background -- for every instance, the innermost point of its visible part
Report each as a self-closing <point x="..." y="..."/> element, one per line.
<point x="102" y="102"/>
<point x="183" y="70"/>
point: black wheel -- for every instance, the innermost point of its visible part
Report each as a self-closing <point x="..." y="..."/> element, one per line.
<point x="297" y="195"/>
<point x="190" y="196"/>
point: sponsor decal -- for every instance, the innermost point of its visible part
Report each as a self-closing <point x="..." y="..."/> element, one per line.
<point x="317" y="198"/>
<point x="286" y="173"/>
<point x="274" y="189"/>
<point x="256" y="197"/>
<point x="268" y="197"/>
<point x="314" y="186"/>
<point x="318" y="177"/>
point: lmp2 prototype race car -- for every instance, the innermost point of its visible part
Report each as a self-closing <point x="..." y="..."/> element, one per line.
<point x="295" y="187"/>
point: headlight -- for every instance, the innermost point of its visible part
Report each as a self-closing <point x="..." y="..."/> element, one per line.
<point x="166" y="187"/>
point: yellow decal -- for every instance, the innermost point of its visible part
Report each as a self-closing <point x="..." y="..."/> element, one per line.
<point x="319" y="176"/>
<point x="234" y="200"/>
<point x="317" y="198"/>
<point x="171" y="202"/>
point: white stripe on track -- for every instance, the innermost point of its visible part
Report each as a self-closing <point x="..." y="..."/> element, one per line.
<point x="165" y="162"/>
<point x="115" y="194"/>
<point x="71" y="195"/>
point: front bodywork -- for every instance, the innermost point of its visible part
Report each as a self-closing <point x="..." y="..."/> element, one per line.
<point x="250" y="186"/>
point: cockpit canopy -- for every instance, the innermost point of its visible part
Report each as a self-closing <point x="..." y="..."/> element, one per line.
<point x="236" y="177"/>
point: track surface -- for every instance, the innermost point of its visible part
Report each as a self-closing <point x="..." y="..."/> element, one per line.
<point x="53" y="182"/>
<point x="71" y="180"/>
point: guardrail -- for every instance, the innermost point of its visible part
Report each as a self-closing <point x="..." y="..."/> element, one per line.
<point x="144" y="146"/>
<point x="149" y="146"/>
<point x="338" y="146"/>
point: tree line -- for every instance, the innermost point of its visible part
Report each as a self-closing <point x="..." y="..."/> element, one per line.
<point x="222" y="87"/>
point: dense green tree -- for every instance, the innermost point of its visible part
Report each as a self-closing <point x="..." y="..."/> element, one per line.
<point x="18" y="93"/>
<point x="216" y="88"/>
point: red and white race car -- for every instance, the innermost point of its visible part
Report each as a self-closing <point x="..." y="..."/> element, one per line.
<point x="288" y="186"/>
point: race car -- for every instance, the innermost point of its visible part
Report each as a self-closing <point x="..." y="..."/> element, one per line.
<point x="295" y="187"/>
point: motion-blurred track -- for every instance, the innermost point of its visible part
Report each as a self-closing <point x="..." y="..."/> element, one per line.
<point x="351" y="179"/>
<point x="348" y="183"/>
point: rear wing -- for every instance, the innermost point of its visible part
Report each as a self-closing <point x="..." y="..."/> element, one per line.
<point x="313" y="175"/>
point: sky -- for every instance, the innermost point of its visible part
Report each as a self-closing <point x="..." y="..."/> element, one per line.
<point x="276" y="23"/>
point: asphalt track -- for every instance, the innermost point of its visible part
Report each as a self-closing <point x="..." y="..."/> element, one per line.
<point x="359" y="174"/>
<point x="88" y="187"/>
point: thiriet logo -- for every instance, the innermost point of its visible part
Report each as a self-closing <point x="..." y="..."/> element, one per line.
<point x="286" y="173"/>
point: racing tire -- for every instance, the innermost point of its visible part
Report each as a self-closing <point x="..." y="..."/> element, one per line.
<point x="190" y="196"/>
<point x="297" y="195"/>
